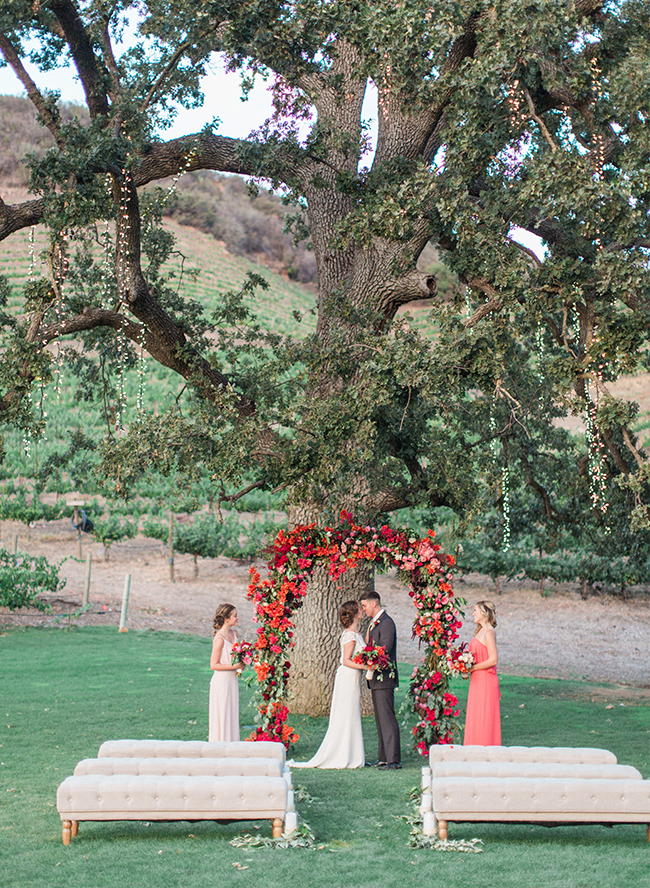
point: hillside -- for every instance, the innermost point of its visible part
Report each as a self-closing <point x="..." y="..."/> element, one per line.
<point x="218" y="271"/>
<point x="246" y="223"/>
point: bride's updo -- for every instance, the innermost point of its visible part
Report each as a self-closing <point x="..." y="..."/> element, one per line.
<point x="347" y="613"/>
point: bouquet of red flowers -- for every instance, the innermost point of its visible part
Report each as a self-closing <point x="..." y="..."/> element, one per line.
<point x="244" y="651"/>
<point x="460" y="660"/>
<point x="374" y="658"/>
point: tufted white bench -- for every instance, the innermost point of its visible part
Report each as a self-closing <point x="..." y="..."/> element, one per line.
<point x="191" y="749"/>
<point x="549" y="800"/>
<point x="503" y="770"/>
<point x="509" y="766"/>
<point x="189" y="767"/>
<point x="171" y="797"/>
<point x="451" y="752"/>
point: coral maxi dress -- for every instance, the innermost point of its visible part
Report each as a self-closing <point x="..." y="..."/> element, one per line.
<point x="483" y="720"/>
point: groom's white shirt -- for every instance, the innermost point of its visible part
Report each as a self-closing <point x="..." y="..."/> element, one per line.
<point x="375" y="619"/>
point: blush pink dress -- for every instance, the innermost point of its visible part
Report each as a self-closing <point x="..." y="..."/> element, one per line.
<point x="224" y="700"/>
<point x="483" y="719"/>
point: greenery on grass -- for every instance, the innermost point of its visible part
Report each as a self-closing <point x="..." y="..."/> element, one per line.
<point x="23" y="577"/>
<point x="66" y="692"/>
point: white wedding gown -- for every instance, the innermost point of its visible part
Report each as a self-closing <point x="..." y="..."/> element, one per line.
<point x="342" y="746"/>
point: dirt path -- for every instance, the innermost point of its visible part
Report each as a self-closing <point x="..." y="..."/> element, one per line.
<point x="602" y="639"/>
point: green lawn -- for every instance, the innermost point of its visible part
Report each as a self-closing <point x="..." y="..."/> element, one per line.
<point x="64" y="692"/>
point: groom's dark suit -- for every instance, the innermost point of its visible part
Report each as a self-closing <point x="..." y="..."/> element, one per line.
<point x="383" y="692"/>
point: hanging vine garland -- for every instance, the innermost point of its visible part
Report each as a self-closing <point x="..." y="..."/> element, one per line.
<point x="420" y="565"/>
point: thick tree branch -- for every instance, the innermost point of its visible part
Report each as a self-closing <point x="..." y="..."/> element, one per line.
<point x="15" y="217"/>
<point x="83" y="55"/>
<point x="639" y="456"/>
<point x="116" y="82"/>
<point x="531" y="255"/>
<point x="49" y="118"/>
<point x="411" y="135"/>
<point x="494" y="303"/>
<point x="187" y="363"/>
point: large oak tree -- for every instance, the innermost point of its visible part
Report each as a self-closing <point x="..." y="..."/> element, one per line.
<point x="493" y="117"/>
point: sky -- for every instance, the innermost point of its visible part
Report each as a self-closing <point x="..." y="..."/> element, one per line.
<point x="222" y="99"/>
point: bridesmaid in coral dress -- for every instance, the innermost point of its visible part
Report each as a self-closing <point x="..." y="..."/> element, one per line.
<point x="483" y="720"/>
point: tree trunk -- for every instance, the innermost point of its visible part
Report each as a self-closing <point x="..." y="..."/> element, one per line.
<point x="316" y="655"/>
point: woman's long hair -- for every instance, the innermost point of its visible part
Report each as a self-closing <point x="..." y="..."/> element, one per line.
<point x="489" y="611"/>
<point x="221" y="615"/>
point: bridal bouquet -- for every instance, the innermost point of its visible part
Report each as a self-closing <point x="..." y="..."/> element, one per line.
<point x="375" y="659"/>
<point x="243" y="650"/>
<point x="460" y="660"/>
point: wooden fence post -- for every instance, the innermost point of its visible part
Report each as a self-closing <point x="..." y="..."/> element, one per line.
<point x="125" y="603"/>
<point x="171" y="546"/>
<point x="89" y="561"/>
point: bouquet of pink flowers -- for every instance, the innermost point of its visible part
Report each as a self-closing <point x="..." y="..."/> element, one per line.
<point x="460" y="660"/>
<point x="375" y="659"/>
<point x="244" y="651"/>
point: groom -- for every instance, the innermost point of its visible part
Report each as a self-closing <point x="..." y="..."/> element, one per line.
<point x="382" y="632"/>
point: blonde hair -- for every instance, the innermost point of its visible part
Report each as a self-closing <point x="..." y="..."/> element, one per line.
<point x="489" y="611"/>
<point x="222" y="613"/>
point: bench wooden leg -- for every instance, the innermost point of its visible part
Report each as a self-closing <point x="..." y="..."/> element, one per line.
<point x="75" y="828"/>
<point x="277" y="827"/>
<point x="648" y="831"/>
<point x="67" y="830"/>
<point x="442" y="830"/>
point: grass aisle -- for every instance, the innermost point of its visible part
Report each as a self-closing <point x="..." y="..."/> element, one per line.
<point x="64" y="692"/>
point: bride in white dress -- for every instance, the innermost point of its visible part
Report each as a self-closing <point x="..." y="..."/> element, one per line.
<point x="342" y="746"/>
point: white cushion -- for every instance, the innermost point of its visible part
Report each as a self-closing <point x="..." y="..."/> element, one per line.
<point x="126" y="797"/>
<point x="502" y="770"/>
<point x="520" y="798"/>
<point x="450" y="752"/>
<point x="190" y="767"/>
<point x="191" y="749"/>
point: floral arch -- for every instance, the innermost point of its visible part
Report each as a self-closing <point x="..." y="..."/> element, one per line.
<point x="420" y="565"/>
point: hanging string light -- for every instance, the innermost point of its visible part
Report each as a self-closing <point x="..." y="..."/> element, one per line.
<point x="515" y="105"/>
<point x="596" y="457"/>
<point x="540" y="347"/>
<point x="598" y="140"/>
<point x="59" y="270"/>
<point x="32" y="254"/>
<point x="596" y="449"/>
<point x="141" y="372"/>
<point x="107" y="264"/>
<point x="183" y="170"/>
<point x="505" y="496"/>
<point x="32" y="266"/>
<point x="505" y="478"/>
<point x="383" y="91"/>
<point x="124" y="227"/>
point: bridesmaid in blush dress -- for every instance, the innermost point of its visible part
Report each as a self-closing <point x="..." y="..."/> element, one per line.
<point x="224" y="688"/>
<point x="483" y="720"/>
